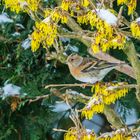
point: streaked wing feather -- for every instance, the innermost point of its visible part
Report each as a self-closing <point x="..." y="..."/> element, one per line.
<point x="99" y="65"/>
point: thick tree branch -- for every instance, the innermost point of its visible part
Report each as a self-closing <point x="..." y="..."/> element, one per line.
<point x="113" y="118"/>
<point x="126" y="69"/>
<point x="132" y="56"/>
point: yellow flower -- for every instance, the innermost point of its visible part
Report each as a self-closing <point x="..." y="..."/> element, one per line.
<point x="71" y="134"/>
<point x="59" y="16"/>
<point x="85" y="3"/>
<point x="33" y="4"/>
<point x="132" y="6"/>
<point x="66" y="4"/>
<point x="92" y="18"/>
<point x="95" y="48"/>
<point x="89" y="137"/>
<point x="44" y="34"/>
<point x="118" y="42"/>
<point x="105" y="45"/>
<point x="17" y="5"/>
<point x="107" y="93"/>
<point x="135" y="28"/>
<point x="122" y="2"/>
<point x="130" y="3"/>
<point x="115" y="135"/>
<point x="14" y="5"/>
<point x="47" y="12"/>
<point x="75" y="133"/>
<point x="95" y="105"/>
<point x="82" y="19"/>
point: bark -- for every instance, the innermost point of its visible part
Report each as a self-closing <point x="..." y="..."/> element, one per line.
<point x="132" y="57"/>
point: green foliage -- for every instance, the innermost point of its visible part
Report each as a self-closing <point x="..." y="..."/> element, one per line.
<point x="30" y="71"/>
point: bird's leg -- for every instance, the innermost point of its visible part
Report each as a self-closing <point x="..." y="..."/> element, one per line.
<point x="84" y="85"/>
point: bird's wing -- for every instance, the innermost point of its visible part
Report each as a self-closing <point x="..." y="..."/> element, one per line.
<point x="97" y="65"/>
<point x="87" y="63"/>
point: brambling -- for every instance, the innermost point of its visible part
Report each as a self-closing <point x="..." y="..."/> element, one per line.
<point x="88" y="70"/>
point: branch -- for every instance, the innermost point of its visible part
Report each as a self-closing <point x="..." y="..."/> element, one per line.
<point x="67" y="96"/>
<point x="113" y="118"/>
<point x="130" y="86"/>
<point x="69" y="85"/>
<point x="132" y="56"/>
<point x="126" y="69"/>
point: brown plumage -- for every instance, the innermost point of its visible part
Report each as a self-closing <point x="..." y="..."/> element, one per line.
<point x="89" y="70"/>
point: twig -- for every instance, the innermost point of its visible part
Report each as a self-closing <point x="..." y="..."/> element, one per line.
<point x="130" y="86"/>
<point x="90" y="85"/>
<point x="38" y="98"/>
<point x="69" y="85"/>
<point x="59" y="130"/>
<point x="120" y="14"/>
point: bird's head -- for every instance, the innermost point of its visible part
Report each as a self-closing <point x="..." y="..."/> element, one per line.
<point x="74" y="60"/>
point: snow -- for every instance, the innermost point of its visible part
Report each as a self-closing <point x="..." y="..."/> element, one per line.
<point x="95" y="124"/>
<point x="47" y="19"/>
<point x="5" y="19"/>
<point x="26" y="43"/>
<point x="60" y="107"/>
<point x="107" y="16"/>
<point x="11" y="90"/>
<point x="16" y="34"/>
<point x="69" y="91"/>
<point x="64" y="39"/>
<point x="72" y="48"/>
<point x="20" y="25"/>
<point x="131" y="117"/>
<point x="138" y="19"/>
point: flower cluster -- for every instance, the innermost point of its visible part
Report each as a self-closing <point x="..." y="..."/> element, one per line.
<point x="14" y="5"/>
<point x="85" y="3"/>
<point x="119" y="2"/>
<point x="135" y="28"/>
<point x="115" y="135"/>
<point x="59" y="15"/>
<point x="105" y="37"/>
<point x="86" y="134"/>
<point x="18" y="5"/>
<point x="104" y="94"/>
<point x="44" y="34"/>
<point x="95" y="105"/>
<point x="68" y="4"/>
<point x="79" y="134"/>
<point x="108" y="93"/>
<point x="131" y="4"/>
<point x="33" y="4"/>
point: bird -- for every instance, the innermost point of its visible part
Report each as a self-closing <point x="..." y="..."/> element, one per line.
<point x="89" y="70"/>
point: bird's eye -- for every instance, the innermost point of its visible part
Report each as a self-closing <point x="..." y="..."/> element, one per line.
<point x="72" y="59"/>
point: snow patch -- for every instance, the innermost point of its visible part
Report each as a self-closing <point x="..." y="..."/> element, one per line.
<point x="72" y="48"/>
<point x="16" y="34"/>
<point x="11" y="90"/>
<point x="5" y="19"/>
<point x="60" y="107"/>
<point x="107" y="16"/>
<point x="26" y="43"/>
<point x="138" y="19"/>
<point x="20" y="25"/>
